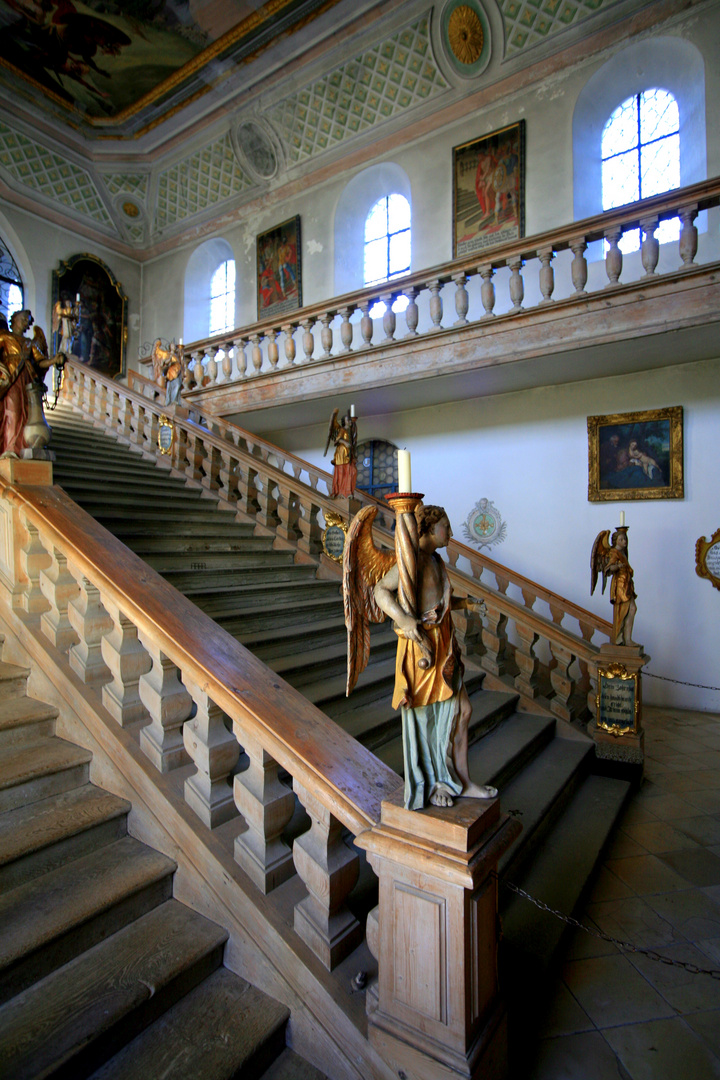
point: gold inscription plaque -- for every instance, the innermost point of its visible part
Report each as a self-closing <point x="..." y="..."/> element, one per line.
<point x="707" y="558"/>
<point x="618" y="700"/>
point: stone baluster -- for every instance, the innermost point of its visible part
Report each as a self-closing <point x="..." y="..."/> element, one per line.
<point x="267" y="805"/>
<point x="150" y="426"/>
<point x="310" y="540"/>
<point x="326" y="334"/>
<point x="169" y="705"/>
<point x="412" y="315"/>
<point x="194" y="455"/>
<point x="241" y="360"/>
<point x="227" y="361"/>
<point x="579" y="266"/>
<point x="526" y="681"/>
<point x="91" y="622"/>
<point x="58" y="587"/>
<point x="33" y="560"/>
<point x="188" y="369"/>
<point x="346" y="329"/>
<point x="272" y="349"/>
<point x="124" y="421"/>
<point x="211" y="367"/>
<point x="517" y="285"/>
<point x="289" y="344"/>
<point x="487" y="290"/>
<point x="198" y="369"/>
<point x="247" y="490"/>
<point x="561" y="681"/>
<point x="688" y="236"/>
<point x="650" y="250"/>
<point x="308" y="339"/>
<point x="211" y="465"/>
<point x="215" y="752"/>
<point x="462" y="300"/>
<point x="266" y="495"/>
<point x="366" y="324"/>
<point x="257" y="356"/>
<point x="127" y="661"/>
<point x="329" y="872"/>
<point x="99" y="406"/>
<point x="388" y="320"/>
<point x="228" y="477"/>
<point x="288" y="509"/>
<point x="436" y="304"/>
<point x="613" y="257"/>
<point x="547" y="274"/>
<point x="494" y="639"/>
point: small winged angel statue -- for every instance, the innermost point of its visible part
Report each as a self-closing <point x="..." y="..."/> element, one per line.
<point x="429" y="685"/>
<point x="343" y="435"/>
<point x="168" y="369"/>
<point x="609" y="558"/>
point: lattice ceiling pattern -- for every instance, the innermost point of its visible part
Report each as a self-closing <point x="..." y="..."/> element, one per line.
<point x="528" y="22"/>
<point x="128" y="183"/>
<point x="199" y="181"/>
<point x="375" y="86"/>
<point x="44" y="171"/>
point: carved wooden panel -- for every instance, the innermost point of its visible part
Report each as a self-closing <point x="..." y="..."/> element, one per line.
<point x="420" y="951"/>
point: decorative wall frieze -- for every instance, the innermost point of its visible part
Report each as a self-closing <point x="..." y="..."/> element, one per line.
<point x="199" y="181"/>
<point x="530" y="22"/>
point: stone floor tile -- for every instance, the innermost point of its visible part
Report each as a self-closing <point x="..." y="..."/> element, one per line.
<point x="705" y="829"/>
<point x="700" y="867"/>
<point x="685" y="991"/>
<point x="634" y="921"/>
<point x="692" y="913"/>
<point x="646" y="874"/>
<point x="707" y="801"/>
<point x="608" y="886"/>
<point x="663" y="1050"/>
<point x="575" y="1057"/>
<point x="582" y="945"/>
<point x="711" y="949"/>
<point x="667" y="807"/>
<point x="707" y="1026"/>
<point x="660" y="836"/>
<point x="563" y="1015"/>
<point x="636" y="814"/>
<point x="623" y="846"/>
<point x="612" y="991"/>
<point x="686" y="781"/>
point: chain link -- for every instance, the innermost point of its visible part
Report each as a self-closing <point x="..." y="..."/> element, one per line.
<point x="680" y="682"/>
<point x="626" y="946"/>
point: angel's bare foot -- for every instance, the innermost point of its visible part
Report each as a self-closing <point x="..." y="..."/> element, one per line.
<point x="441" y="796"/>
<point x="475" y="791"/>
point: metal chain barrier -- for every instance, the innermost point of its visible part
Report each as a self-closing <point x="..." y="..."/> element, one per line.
<point x="680" y="682"/>
<point x="626" y="946"/>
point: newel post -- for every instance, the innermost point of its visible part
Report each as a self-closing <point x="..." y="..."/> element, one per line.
<point x="436" y="1013"/>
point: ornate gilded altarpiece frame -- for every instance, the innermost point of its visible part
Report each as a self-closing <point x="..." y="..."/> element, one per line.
<point x="617" y="702"/>
<point x="489" y="191"/>
<point x="636" y="455"/>
<point x="101" y="340"/>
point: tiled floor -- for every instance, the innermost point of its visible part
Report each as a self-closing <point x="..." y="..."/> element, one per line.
<point x="622" y="1016"/>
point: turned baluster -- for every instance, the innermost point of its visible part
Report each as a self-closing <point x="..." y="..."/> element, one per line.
<point x="241" y="360"/>
<point x="329" y="871"/>
<point x="127" y="661"/>
<point x="215" y="752"/>
<point x="257" y="356"/>
<point x="267" y="805"/>
<point x="517" y="285"/>
<point x="308" y="338"/>
<point x="227" y="361"/>
<point x="272" y="349"/>
<point x="194" y="454"/>
<point x="579" y="266"/>
<point x="366" y="325"/>
<point x="412" y="315"/>
<point x="561" y="681"/>
<point x="91" y="622"/>
<point x="308" y="526"/>
<point x="188" y="368"/>
<point x="288" y="508"/>
<point x="198" y="370"/>
<point x="462" y="300"/>
<point x="526" y="681"/>
<point x="33" y="560"/>
<point x="613" y="257"/>
<point x="124" y="424"/>
<point x="58" y="587"/>
<point x="688" y="236"/>
<point x="289" y="344"/>
<point x="326" y="334"/>
<point x="388" y="320"/>
<point x="494" y="639"/>
<point x="346" y="329"/>
<point x="436" y="304"/>
<point x="151" y="425"/>
<point x="169" y="705"/>
<point x="211" y="464"/>
<point x="265" y="493"/>
<point x="487" y="290"/>
<point x="650" y="249"/>
<point x="547" y="274"/>
<point x="211" y="368"/>
<point x="247" y="490"/>
<point x="228" y="477"/>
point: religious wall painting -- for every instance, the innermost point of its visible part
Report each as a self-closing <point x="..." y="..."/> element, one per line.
<point x="636" y="455"/>
<point x="489" y="191"/>
<point x="279" y="270"/>
<point x="100" y="334"/>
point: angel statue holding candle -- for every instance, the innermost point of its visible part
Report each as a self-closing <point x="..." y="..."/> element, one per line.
<point x="412" y="587"/>
<point x="343" y="435"/>
<point x="609" y="557"/>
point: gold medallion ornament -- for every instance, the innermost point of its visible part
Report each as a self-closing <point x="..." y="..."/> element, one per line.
<point x="465" y="34"/>
<point x="130" y="210"/>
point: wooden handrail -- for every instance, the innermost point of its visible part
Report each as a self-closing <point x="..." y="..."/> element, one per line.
<point x="347" y="778"/>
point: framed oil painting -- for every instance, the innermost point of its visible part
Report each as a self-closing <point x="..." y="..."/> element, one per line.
<point x="279" y="270"/>
<point x="489" y="191"/>
<point x="636" y="455"/>
<point x="100" y="328"/>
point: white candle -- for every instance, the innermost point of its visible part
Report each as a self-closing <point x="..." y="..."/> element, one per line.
<point x="77" y="298"/>
<point x="404" y="475"/>
<point x="180" y="342"/>
<point x="353" y="414"/>
<point x="622" y="517"/>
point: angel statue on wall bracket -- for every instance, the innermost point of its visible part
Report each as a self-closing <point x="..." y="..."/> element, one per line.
<point x="169" y="368"/>
<point x="343" y="435"/>
<point x="609" y="557"/>
<point x="412" y="587"/>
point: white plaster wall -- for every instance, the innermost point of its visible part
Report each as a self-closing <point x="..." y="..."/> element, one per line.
<point x="527" y="453"/>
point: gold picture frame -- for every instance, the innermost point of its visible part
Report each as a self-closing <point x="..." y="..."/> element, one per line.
<point x="707" y="558"/>
<point x="488" y="206"/>
<point x="616" y="698"/>
<point x="636" y="455"/>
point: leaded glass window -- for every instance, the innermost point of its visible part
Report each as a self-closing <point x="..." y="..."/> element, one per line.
<point x="11" y="286"/>
<point x="387" y="246"/>
<point x="222" y="298"/>
<point x="377" y="467"/>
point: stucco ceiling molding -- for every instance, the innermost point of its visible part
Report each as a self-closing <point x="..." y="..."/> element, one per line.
<point x="258" y="148"/>
<point x="530" y="22"/>
<point x="198" y="182"/>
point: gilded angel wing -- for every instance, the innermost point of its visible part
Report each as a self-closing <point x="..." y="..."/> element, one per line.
<point x="331" y="430"/>
<point x="599" y="557"/>
<point x="40" y="342"/>
<point x="363" y="566"/>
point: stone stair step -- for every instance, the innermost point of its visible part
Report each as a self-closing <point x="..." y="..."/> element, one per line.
<point x="180" y="547"/>
<point x="40" y="767"/>
<point x="128" y="529"/>
<point x="133" y="491"/>
<point x="286" y="640"/>
<point x="73" y="1020"/>
<point x="111" y="512"/>
<point x="240" y="598"/>
<point x="21" y="717"/>
<point x="216" y="561"/>
<point x="209" y="582"/>
<point x="278" y="614"/>
<point x="241" y="1034"/>
<point x="299" y="668"/>
<point x="49" y="920"/>
<point x="13" y="680"/>
<point x="329" y="694"/>
<point x="289" y="1066"/>
<point x="42" y="836"/>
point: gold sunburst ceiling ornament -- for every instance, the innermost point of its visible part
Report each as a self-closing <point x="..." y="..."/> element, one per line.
<point x="465" y="34"/>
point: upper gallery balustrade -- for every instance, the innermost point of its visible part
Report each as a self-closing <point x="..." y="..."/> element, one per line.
<point x="545" y="294"/>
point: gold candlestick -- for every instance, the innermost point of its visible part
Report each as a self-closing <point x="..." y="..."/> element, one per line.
<point x="406" y="552"/>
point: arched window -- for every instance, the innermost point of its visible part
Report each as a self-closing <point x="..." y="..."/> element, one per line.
<point x="11" y="286"/>
<point x="222" y="298"/>
<point x="387" y="246"/>
<point x="640" y="151"/>
<point x="355" y="211"/>
<point x="377" y="467"/>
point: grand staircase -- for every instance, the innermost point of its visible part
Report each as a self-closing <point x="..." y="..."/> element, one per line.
<point x="102" y="972"/>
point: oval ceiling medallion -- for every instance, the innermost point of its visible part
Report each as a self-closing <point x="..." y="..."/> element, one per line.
<point x="130" y="210"/>
<point x="257" y="149"/>
<point x="465" y="34"/>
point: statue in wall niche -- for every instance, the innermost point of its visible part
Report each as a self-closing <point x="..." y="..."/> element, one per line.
<point x="411" y="586"/>
<point x="22" y="363"/>
<point x="168" y="369"/>
<point x="343" y="435"/>
<point x="66" y="321"/>
<point x="609" y="558"/>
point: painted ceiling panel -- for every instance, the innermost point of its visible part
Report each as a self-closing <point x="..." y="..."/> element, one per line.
<point x="199" y="181"/>
<point x="528" y="22"/>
